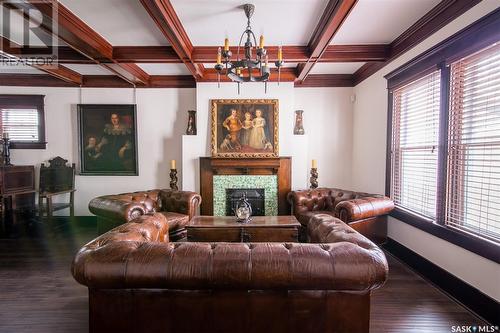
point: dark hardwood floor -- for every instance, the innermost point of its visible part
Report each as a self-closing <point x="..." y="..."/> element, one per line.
<point x="39" y="295"/>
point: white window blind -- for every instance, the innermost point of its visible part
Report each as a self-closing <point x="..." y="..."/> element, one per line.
<point x="20" y="124"/>
<point x="414" y="145"/>
<point x="473" y="188"/>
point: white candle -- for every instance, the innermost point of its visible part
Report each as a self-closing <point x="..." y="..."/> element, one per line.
<point x="314" y="164"/>
<point x="172" y="164"/>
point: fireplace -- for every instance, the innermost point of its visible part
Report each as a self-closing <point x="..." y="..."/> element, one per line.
<point x="255" y="196"/>
<point x="219" y="174"/>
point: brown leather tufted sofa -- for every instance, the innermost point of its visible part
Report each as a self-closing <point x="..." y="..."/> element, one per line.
<point x="364" y="212"/>
<point x="140" y="282"/>
<point x="177" y="206"/>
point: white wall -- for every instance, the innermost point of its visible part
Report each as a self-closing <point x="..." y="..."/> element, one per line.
<point x="327" y="122"/>
<point x="161" y="120"/>
<point x="328" y="125"/>
<point x="368" y="162"/>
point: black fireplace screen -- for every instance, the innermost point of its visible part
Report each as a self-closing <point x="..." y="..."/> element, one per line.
<point x="255" y="197"/>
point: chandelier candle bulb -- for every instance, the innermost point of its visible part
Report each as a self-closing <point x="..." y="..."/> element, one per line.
<point x="261" y="42"/>
<point x="280" y="54"/>
<point x="226" y="44"/>
<point x="172" y="164"/>
<point x="314" y="164"/>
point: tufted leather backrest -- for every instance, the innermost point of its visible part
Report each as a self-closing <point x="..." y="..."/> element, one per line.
<point x="145" y="228"/>
<point x="150" y="199"/>
<point x="136" y="255"/>
<point x="321" y="199"/>
<point x="183" y="202"/>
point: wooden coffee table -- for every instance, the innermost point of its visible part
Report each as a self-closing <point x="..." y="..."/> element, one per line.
<point x="259" y="229"/>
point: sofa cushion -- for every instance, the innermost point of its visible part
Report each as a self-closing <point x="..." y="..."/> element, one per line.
<point x="175" y="220"/>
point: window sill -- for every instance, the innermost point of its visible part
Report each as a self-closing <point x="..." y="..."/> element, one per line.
<point x="28" y="145"/>
<point x="478" y="246"/>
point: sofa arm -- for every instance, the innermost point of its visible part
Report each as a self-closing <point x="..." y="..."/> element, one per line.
<point x="144" y="229"/>
<point x="116" y="209"/>
<point x="299" y="201"/>
<point x="183" y="202"/>
<point x="363" y="208"/>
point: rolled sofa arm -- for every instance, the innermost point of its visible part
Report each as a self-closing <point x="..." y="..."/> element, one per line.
<point x="363" y="208"/>
<point x="116" y="209"/>
<point x="146" y="228"/>
<point x="183" y="202"/>
<point x="298" y="200"/>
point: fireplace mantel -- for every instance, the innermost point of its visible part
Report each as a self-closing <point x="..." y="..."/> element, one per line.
<point x="280" y="166"/>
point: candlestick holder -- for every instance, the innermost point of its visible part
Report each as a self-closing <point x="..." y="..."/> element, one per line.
<point x="173" y="179"/>
<point x="6" y="151"/>
<point x="314" y="178"/>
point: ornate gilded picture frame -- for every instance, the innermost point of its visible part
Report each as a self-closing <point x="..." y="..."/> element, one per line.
<point x="245" y="128"/>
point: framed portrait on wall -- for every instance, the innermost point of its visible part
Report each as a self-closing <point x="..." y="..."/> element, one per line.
<point x="245" y="128"/>
<point x="107" y="139"/>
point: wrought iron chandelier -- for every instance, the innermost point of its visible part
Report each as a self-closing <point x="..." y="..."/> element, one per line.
<point x="247" y="69"/>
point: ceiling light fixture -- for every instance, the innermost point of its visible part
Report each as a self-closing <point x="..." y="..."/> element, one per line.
<point x="247" y="69"/>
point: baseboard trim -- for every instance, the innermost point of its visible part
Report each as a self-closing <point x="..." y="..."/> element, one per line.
<point x="476" y="301"/>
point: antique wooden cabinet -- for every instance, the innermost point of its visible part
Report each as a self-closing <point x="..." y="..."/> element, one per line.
<point x="17" y="187"/>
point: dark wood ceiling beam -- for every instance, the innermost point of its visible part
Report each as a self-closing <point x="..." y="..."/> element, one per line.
<point x="167" y="81"/>
<point x="165" y="17"/>
<point x="14" y="51"/>
<point x="145" y="54"/>
<point x="205" y="54"/>
<point x="95" y="81"/>
<point x="333" y="53"/>
<point x="326" y="80"/>
<point x="208" y="54"/>
<point x="131" y="73"/>
<point x="61" y="72"/>
<point x="65" y="54"/>
<point x="79" y="36"/>
<point x="439" y="16"/>
<point x="335" y="13"/>
<point x="355" y="53"/>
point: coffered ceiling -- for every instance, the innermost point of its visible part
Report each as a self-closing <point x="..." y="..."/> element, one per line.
<point x="282" y="22"/>
<point x="120" y="22"/>
<point x="380" y="21"/>
<point x="174" y="42"/>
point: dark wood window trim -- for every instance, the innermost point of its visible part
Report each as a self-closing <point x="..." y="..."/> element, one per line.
<point x="27" y="101"/>
<point x="473" y="38"/>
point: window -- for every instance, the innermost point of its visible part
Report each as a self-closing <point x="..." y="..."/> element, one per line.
<point x="443" y="139"/>
<point x="414" y="145"/>
<point x="473" y="193"/>
<point x="22" y="118"/>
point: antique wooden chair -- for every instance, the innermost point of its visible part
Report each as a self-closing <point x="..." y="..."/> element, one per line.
<point x="58" y="178"/>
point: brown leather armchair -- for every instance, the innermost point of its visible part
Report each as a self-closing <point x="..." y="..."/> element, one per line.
<point x="364" y="212"/>
<point x="138" y="281"/>
<point x="177" y="206"/>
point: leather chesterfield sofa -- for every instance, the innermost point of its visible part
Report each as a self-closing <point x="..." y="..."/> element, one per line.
<point x="177" y="206"/>
<point x="364" y="212"/>
<point x="138" y="281"/>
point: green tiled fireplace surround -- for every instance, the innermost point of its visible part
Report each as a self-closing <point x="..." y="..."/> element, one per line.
<point x="268" y="183"/>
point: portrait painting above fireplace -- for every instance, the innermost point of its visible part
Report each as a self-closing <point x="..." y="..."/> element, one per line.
<point x="245" y="128"/>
